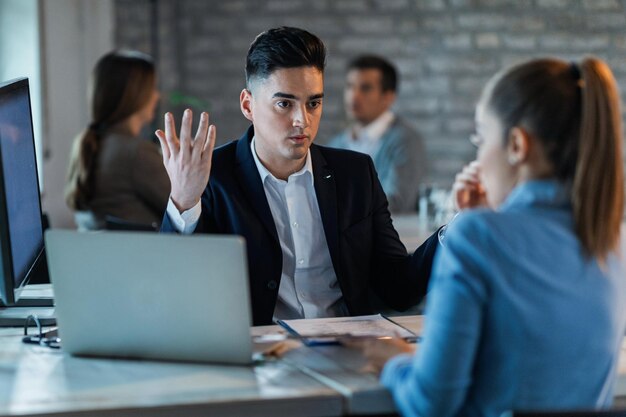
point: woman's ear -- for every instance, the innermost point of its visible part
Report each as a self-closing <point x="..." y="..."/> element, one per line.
<point x="518" y="147"/>
<point x="245" y="103"/>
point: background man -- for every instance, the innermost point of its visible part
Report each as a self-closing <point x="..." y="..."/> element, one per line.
<point x="315" y="219"/>
<point x="397" y="149"/>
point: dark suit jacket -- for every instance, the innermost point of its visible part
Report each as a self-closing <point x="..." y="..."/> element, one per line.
<point x="365" y="249"/>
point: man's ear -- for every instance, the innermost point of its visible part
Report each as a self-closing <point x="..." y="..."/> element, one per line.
<point x="518" y="146"/>
<point x="245" y="103"/>
<point x="389" y="98"/>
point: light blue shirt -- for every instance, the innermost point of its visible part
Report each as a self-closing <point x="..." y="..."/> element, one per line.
<point x="518" y="318"/>
<point x="367" y="139"/>
<point x="399" y="158"/>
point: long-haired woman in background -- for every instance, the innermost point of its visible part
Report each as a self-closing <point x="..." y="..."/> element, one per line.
<point x="526" y="309"/>
<point x="113" y="172"/>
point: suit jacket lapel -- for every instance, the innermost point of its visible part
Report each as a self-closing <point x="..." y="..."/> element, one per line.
<point x="326" y="192"/>
<point x="250" y="182"/>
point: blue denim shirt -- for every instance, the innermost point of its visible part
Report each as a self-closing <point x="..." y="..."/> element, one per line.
<point x="518" y="318"/>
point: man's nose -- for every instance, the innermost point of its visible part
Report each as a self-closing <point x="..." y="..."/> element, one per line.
<point x="301" y="117"/>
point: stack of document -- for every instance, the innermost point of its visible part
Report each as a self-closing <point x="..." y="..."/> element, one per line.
<point x="330" y="330"/>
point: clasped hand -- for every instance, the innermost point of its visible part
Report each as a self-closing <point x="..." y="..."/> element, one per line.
<point x="467" y="190"/>
<point x="186" y="159"/>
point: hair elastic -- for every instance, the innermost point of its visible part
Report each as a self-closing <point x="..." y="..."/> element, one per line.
<point x="97" y="127"/>
<point x="574" y="69"/>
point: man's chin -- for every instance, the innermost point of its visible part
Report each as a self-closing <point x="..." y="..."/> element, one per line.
<point x="298" y="152"/>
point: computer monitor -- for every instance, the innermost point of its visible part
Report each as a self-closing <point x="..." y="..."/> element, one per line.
<point x="21" y="229"/>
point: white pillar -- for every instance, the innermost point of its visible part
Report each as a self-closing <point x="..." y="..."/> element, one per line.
<point x="73" y="35"/>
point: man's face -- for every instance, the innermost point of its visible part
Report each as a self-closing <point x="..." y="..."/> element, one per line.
<point x="364" y="97"/>
<point x="285" y="109"/>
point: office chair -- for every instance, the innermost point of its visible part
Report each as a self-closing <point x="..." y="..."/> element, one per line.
<point x="115" y="223"/>
<point x="577" y="413"/>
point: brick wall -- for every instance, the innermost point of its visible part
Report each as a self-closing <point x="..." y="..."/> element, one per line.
<point x="445" y="51"/>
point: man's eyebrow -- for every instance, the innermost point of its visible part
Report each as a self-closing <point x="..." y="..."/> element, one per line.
<point x="293" y="97"/>
<point x="284" y="95"/>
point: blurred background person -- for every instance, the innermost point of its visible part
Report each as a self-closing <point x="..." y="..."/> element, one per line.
<point x="114" y="174"/>
<point x="396" y="148"/>
<point x="526" y="309"/>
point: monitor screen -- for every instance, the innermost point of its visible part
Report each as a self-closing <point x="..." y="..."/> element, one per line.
<point x="21" y="232"/>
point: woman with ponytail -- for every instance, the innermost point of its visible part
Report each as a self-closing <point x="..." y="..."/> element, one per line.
<point x="114" y="172"/>
<point x="526" y="309"/>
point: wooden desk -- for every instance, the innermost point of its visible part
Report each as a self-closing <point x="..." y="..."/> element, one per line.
<point x="36" y="380"/>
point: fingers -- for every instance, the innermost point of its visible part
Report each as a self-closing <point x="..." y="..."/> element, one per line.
<point x="170" y="127"/>
<point x="185" y="133"/>
<point x="279" y="349"/>
<point x="170" y="134"/>
<point x="205" y="139"/>
<point x="210" y="143"/>
<point x="197" y="148"/>
<point x="203" y="129"/>
<point x="467" y="188"/>
<point x="164" y="146"/>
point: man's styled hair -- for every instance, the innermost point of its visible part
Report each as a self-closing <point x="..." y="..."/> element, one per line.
<point x="389" y="75"/>
<point x="283" y="47"/>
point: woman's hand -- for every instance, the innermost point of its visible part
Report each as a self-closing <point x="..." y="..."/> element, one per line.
<point x="378" y="351"/>
<point x="467" y="190"/>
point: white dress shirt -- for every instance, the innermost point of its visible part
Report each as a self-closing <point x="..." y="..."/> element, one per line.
<point x="366" y="139"/>
<point x="308" y="285"/>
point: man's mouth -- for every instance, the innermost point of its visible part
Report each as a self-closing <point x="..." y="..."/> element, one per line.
<point x="298" y="138"/>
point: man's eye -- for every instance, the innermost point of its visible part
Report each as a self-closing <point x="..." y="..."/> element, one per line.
<point x="283" y="104"/>
<point x="315" y="104"/>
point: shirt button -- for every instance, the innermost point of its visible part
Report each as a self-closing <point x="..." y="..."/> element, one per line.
<point x="295" y="224"/>
<point x="272" y="285"/>
<point x="300" y="261"/>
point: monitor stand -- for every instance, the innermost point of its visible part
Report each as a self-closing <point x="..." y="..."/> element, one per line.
<point x="36" y="295"/>
<point x="16" y="316"/>
<point x="36" y="299"/>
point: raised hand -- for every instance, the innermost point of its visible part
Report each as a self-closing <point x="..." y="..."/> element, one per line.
<point x="186" y="159"/>
<point x="467" y="190"/>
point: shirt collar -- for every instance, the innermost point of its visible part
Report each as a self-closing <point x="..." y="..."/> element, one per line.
<point x="264" y="172"/>
<point x="375" y="130"/>
<point x="538" y="193"/>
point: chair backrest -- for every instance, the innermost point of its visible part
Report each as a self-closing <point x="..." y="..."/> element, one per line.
<point x="577" y="413"/>
<point x="115" y="223"/>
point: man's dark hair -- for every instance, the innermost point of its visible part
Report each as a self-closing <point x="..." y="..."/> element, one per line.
<point x="284" y="47"/>
<point x="389" y="75"/>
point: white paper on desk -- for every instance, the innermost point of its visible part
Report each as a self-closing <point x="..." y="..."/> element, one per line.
<point x="375" y="325"/>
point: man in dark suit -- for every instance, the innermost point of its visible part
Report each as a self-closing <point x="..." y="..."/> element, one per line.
<point x="319" y="235"/>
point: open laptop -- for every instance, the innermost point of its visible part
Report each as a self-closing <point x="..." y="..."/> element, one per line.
<point x="149" y="295"/>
